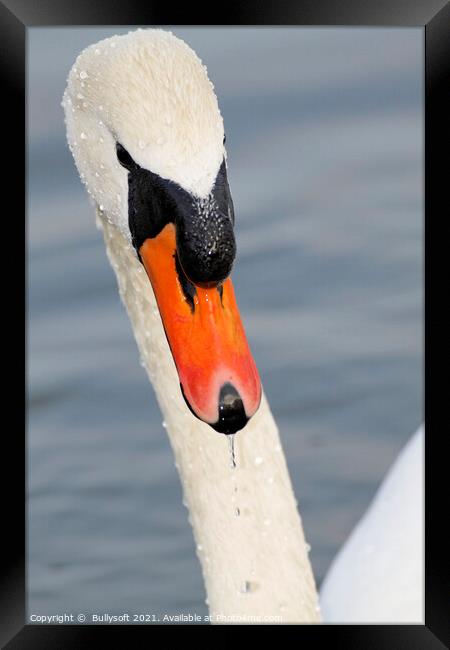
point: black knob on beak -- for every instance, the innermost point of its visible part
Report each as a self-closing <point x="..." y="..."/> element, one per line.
<point x="206" y="246"/>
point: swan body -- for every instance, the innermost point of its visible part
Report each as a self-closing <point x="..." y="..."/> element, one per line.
<point x="149" y="91"/>
<point x="377" y="576"/>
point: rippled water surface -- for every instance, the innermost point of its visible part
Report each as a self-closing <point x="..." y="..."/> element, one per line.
<point x="324" y="137"/>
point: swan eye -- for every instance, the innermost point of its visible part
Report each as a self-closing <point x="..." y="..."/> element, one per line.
<point x="124" y="157"/>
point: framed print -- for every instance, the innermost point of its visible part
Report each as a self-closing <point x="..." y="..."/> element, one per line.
<point x="254" y="438"/>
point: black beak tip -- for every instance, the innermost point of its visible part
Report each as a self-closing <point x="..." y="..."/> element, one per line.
<point x="232" y="415"/>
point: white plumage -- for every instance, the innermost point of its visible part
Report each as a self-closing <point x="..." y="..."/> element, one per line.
<point x="377" y="576"/>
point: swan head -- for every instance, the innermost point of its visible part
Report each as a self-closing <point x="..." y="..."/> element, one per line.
<point x="147" y="136"/>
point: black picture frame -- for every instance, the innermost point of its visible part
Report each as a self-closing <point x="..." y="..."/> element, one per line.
<point x="434" y="16"/>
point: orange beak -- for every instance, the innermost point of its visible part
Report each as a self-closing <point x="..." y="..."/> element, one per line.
<point x="218" y="376"/>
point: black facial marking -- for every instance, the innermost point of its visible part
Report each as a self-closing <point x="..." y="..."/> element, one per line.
<point x="124" y="157"/>
<point x="150" y="206"/>
<point x="205" y="240"/>
<point x="189" y="289"/>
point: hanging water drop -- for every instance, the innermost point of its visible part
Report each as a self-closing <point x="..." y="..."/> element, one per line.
<point x="83" y="136"/>
<point x="237" y="512"/>
<point x="231" y="449"/>
<point x="83" y="74"/>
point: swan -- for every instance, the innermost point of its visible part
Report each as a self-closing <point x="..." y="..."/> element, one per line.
<point x="147" y="136"/>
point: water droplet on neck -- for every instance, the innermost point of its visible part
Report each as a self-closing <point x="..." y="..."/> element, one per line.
<point x="231" y="449"/>
<point x="237" y="512"/>
<point x="245" y="587"/>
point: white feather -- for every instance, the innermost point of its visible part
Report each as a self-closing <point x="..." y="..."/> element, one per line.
<point x="377" y="576"/>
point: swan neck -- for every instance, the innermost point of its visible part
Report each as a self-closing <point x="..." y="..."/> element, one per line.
<point x="247" y="529"/>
